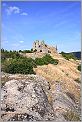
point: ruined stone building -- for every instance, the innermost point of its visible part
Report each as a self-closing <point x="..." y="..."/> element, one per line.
<point x="40" y="46"/>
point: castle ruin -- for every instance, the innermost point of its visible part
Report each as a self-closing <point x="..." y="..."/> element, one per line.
<point x="40" y="46"/>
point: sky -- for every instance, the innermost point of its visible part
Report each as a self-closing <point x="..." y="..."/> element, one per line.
<point x="57" y="23"/>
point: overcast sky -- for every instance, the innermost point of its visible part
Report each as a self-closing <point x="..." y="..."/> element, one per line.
<point x="57" y="23"/>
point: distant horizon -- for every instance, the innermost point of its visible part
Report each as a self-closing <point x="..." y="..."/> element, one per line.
<point x="31" y="48"/>
<point x="57" y="23"/>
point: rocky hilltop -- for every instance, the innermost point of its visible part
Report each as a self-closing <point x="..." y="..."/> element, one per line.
<point x="52" y="94"/>
<point x="40" y="49"/>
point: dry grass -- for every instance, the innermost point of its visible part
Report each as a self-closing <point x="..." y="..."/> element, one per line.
<point x="4" y="80"/>
<point x="71" y="116"/>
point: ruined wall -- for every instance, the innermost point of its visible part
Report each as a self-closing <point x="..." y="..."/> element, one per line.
<point x="40" y="46"/>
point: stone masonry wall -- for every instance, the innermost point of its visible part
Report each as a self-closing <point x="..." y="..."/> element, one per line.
<point x="40" y="46"/>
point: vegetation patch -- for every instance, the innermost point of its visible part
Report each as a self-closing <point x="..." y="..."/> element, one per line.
<point x="21" y="66"/>
<point x="26" y="51"/>
<point x="79" y="67"/>
<point x="71" y="116"/>
<point x="68" y="56"/>
<point x="4" y="80"/>
<point x="12" y="62"/>
<point x="45" y="60"/>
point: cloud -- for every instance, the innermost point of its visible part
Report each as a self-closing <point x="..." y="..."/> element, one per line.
<point x="13" y="9"/>
<point x="21" y="41"/>
<point x="24" y="14"/>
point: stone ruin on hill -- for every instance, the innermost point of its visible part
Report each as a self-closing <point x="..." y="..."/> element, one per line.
<point x="40" y="46"/>
<point x="40" y="49"/>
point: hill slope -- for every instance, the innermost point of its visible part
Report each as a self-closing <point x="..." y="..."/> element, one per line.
<point x="77" y="54"/>
<point x="52" y="94"/>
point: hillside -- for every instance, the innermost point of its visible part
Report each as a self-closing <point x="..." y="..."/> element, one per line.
<point x="77" y="54"/>
<point x="51" y="93"/>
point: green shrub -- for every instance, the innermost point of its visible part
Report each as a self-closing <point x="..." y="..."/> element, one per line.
<point x="9" y="54"/>
<point x="23" y="66"/>
<point x="79" y="67"/>
<point x="45" y="60"/>
<point x="13" y="62"/>
<point x="27" y="51"/>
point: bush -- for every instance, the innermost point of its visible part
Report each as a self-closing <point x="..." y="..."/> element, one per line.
<point x="45" y="60"/>
<point x="79" y="67"/>
<point x="13" y="62"/>
<point x="27" y="51"/>
<point x="23" y="66"/>
<point x="9" y="54"/>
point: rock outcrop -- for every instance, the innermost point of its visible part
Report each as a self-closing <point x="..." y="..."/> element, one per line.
<point x="31" y="98"/>
<point x="26" y="99"/>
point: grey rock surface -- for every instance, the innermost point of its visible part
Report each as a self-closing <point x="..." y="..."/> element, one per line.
<point x="25" y="97"/>
<point x="26" y="100"/>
